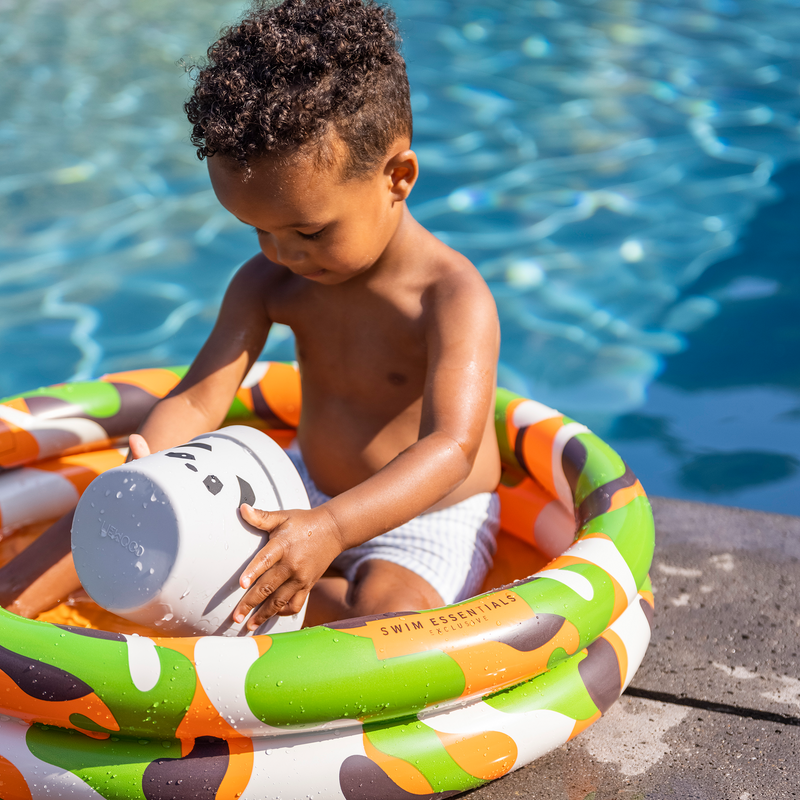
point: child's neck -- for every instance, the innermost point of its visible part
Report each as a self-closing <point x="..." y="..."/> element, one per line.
<point x="404" y="243"/>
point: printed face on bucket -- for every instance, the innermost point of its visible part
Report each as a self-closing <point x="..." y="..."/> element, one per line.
<point x="161" y="540"/>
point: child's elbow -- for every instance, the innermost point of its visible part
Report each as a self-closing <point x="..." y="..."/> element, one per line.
<point x="462" y="453"/>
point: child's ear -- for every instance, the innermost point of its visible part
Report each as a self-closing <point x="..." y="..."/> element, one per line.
<point x="402" y="171"/>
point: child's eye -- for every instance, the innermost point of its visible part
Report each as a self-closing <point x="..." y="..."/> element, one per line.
<point x="311" y="235"/>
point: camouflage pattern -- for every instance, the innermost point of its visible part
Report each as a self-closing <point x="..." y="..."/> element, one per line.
<point x="411" y="705"/>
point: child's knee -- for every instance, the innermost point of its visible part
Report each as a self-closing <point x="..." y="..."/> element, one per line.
<point x="382" y="587"/>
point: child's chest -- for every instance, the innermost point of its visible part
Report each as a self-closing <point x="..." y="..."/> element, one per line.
<point x="358" y="342"/>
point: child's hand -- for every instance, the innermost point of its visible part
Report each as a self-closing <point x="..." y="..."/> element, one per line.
<point x="302" y="545"/>
<point x="138" y="447"/>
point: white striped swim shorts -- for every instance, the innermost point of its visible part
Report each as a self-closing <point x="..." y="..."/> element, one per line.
<point x="451" y="549"/>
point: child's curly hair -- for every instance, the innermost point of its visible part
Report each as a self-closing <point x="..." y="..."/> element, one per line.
<point x="289" y="74"/>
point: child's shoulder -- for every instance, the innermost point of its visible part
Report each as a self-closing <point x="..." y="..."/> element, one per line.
<point x="451" y="274"/>
<point x="256" y="293"/>
<point x="260" y="278"/>
<point x="448" y="289"/>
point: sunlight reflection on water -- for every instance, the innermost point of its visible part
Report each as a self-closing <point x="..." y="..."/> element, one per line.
<point x="592" y="158"/>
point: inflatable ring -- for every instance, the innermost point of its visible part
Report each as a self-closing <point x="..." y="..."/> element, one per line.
<point x="415" y="705"/>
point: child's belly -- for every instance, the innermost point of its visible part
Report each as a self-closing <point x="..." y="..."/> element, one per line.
<point x="344" y="444"/>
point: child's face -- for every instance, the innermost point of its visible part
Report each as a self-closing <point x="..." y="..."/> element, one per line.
<point x="312" y="222"/>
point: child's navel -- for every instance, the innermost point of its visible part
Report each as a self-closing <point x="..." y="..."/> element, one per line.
<point x="397" y="378"/>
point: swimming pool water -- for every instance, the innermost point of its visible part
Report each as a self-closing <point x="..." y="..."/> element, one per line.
<point x="612" y="167"/>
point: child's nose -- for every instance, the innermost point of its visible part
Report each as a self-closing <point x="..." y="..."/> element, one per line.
<point x="289" y="254"/>
<point x="280" y="252"/>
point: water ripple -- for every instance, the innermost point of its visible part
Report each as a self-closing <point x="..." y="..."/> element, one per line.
<point x="592" y="157"/>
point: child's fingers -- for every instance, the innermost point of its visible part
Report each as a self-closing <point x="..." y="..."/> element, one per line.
<point x="266" y="591"/>
<point x="266" y="558"/>
<point x="262" y="577"/>
<point x="295" y="605"/>
<point x="285" y="601"/>
<point x="263" y="520"/>
<point x="138" y="446"/>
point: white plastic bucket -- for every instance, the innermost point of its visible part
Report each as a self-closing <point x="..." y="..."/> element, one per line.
<point x="161" y="541"/>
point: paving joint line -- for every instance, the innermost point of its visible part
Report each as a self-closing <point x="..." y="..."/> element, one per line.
<point x="708" y="705"/>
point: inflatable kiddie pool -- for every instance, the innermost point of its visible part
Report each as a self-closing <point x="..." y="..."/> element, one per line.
<point x="414" y="705"/>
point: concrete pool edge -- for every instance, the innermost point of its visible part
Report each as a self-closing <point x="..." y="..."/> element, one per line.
<point x="715" y="708"/>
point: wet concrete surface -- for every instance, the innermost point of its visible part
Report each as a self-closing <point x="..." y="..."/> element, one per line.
<point x="714" y="711"/>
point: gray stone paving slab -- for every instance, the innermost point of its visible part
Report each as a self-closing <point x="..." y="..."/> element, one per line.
<point x="727" y="591"/>
<point x="646" y="750"/>
<point x="722" y="527"/>
<point x="727" y="638"/>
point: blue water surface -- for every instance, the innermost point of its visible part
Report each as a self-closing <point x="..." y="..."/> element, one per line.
<point x="624" y="175"/>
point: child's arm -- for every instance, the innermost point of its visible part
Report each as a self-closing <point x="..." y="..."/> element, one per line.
<point x="462" y="335"/>
<point x="200" y="401"/>
<point x="43" y="574"/>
